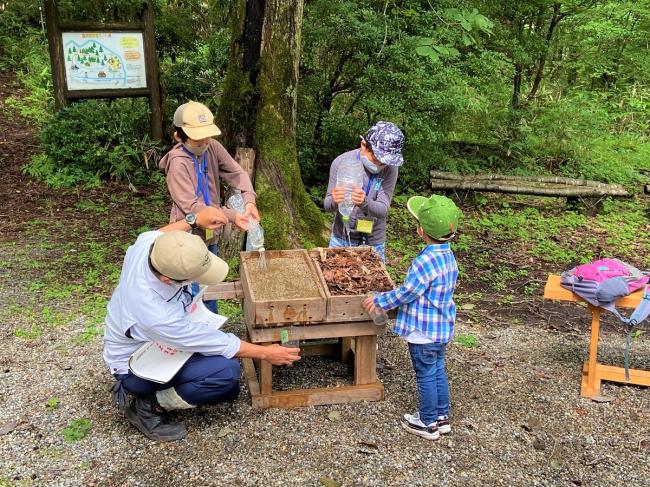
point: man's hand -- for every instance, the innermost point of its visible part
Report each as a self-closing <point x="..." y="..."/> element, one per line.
<point x="369" y="304"/>
<point x="251" y="210"/>
<point x="279" y="355"/>
<point x="276" y="354"/>
<point x="212" y="218"/>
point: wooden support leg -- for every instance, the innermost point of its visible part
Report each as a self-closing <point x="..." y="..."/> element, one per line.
<point x="266" y="377"/>
<point x="591" y="383"/>
<point x="346" y="350"/>
<point x="365" y="360"/>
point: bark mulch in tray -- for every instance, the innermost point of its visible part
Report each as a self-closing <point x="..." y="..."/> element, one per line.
<point x="353" y="271"/>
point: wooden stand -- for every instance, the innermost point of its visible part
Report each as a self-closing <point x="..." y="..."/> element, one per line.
<point x="259" y="374"/>
<point x="593" y="372"/>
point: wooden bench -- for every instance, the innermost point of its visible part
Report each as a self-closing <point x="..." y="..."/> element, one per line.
<point x="594" y="372"/>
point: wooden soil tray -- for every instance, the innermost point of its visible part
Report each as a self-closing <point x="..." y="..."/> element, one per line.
<point x="348" y="275"/>
<point x="288" y="290"/>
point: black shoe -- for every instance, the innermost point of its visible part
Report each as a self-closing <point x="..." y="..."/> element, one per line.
<point x="145" y="414"/>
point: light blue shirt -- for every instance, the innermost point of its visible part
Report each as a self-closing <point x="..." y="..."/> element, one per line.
<point x="154" y="312"/>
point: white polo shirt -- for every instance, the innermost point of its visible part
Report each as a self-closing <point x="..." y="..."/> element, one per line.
<point x="154" y="311"/>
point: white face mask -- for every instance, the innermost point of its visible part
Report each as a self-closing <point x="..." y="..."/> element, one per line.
<point x="372" y="168"/>
<point x="197" y="151"/>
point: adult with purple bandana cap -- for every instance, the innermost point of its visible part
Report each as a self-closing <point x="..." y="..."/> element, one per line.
<point x="380" y="152"/>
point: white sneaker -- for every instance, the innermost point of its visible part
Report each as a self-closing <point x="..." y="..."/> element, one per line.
<point x="443" y="425"/>
<point x="417" y="427"/>
<point x="412" y="417"/>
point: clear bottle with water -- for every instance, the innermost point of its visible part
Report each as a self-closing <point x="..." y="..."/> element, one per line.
<point x="255" y="237"/>
<point x="349" y="174"/>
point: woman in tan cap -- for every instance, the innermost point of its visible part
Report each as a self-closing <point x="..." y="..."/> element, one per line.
<point x="195" y="168"/>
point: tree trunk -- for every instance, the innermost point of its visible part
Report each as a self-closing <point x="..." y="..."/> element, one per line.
<point x="516" y="86"/>
<point x="259" y="111"/>
<point x="521" y="179"/>
<point x="541" y="62"/>
<point x="325" y="100"/>
<point x="528" y="187"/>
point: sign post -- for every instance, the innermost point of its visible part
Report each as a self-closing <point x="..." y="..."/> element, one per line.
<point x="105" y="60"/>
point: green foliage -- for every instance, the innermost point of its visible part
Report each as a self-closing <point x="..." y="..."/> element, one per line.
<point x="467" y="340"/>
<point x="93" y="140"/>
<point x="471" y="23"/>
<point x="76" y="430"/>
<point x="89" y="333"/>
<point x="446" y="72"/>
<point x="52" y="404"/>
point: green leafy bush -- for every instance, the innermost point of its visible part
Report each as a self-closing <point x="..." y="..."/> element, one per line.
<point x="91" y="141"/>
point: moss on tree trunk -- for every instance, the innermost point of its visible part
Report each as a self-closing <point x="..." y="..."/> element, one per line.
<point x="259" y="110"/>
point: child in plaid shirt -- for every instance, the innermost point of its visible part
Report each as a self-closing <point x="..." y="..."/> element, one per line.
<point x="427" y="312"/>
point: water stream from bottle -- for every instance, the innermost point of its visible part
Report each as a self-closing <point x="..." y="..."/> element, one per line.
<point x="261" y="263"/>
<point x="346" y="227"/>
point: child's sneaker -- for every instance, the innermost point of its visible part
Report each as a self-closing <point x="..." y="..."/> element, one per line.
<point x="412" y="417"/>
<point x="417" y="427"/>
<point x="443" y="425"/>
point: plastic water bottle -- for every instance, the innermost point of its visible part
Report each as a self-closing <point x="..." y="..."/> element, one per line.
<point x="255" y="239"/>
<point x="378" y="316"/>
<point x="349" y="174"/>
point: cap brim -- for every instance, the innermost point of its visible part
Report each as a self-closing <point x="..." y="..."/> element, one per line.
<point x="198" y="133"/>
<point x="414" y="203"/>
<point x="387" y="158"/>
<point x="215" y="274"/>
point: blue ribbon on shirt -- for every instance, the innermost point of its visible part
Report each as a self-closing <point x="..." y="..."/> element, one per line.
<point x="203" y="182"/>
<point x="372" y="177"/>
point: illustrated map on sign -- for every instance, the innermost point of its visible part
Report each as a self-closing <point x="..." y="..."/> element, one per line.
<point x="104" y="60"/>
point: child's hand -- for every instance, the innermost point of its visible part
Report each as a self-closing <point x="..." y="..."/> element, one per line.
<point x="251" y="210"/>
<point x="241" y="221"/>
<point x="369" y="304"/>
<point x="358" y="195"/>
<point x="338" y="194"/>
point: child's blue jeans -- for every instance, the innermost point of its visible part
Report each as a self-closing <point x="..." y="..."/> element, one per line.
<point x="433" y="388"/>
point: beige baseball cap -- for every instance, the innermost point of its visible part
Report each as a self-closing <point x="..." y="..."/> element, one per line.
<point x="182" y="256"/>
<point x="196" y="120"/>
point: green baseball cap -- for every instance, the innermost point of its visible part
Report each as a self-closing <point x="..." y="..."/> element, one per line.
<point x="438" y="215"/>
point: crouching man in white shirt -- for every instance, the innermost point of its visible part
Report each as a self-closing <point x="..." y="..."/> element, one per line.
<point x="150" y="304"/>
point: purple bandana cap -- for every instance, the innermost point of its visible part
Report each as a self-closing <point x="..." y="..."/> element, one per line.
<point x="386" y="141"/>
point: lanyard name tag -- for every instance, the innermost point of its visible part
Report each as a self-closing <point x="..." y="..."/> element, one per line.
<point x="364" y="225"/>
<point x="209" y="234"/>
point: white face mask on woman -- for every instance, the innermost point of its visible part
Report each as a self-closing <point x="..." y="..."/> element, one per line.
<point x="372" y="168"/>
<point x="198" y="151"/>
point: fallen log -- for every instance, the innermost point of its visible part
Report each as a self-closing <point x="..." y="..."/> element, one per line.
<point x="533" y="179"/>
<point x="541" y="189"/>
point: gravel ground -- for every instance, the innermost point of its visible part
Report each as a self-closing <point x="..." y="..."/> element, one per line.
<point x="517" y="419"/>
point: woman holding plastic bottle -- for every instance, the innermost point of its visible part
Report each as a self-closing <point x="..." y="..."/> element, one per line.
<point x="379" y="155"/>
<point x="194" y="169"/>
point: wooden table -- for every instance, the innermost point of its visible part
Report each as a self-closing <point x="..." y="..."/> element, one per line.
<point x="366" y="387"/>
<point x="593" y="372"/>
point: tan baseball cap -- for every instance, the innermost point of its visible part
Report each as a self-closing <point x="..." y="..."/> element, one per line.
<point x="182" y="256"/>
<point x="196" y="120"/>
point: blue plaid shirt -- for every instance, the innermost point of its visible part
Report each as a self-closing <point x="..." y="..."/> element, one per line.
<point x="425" y="299"/>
